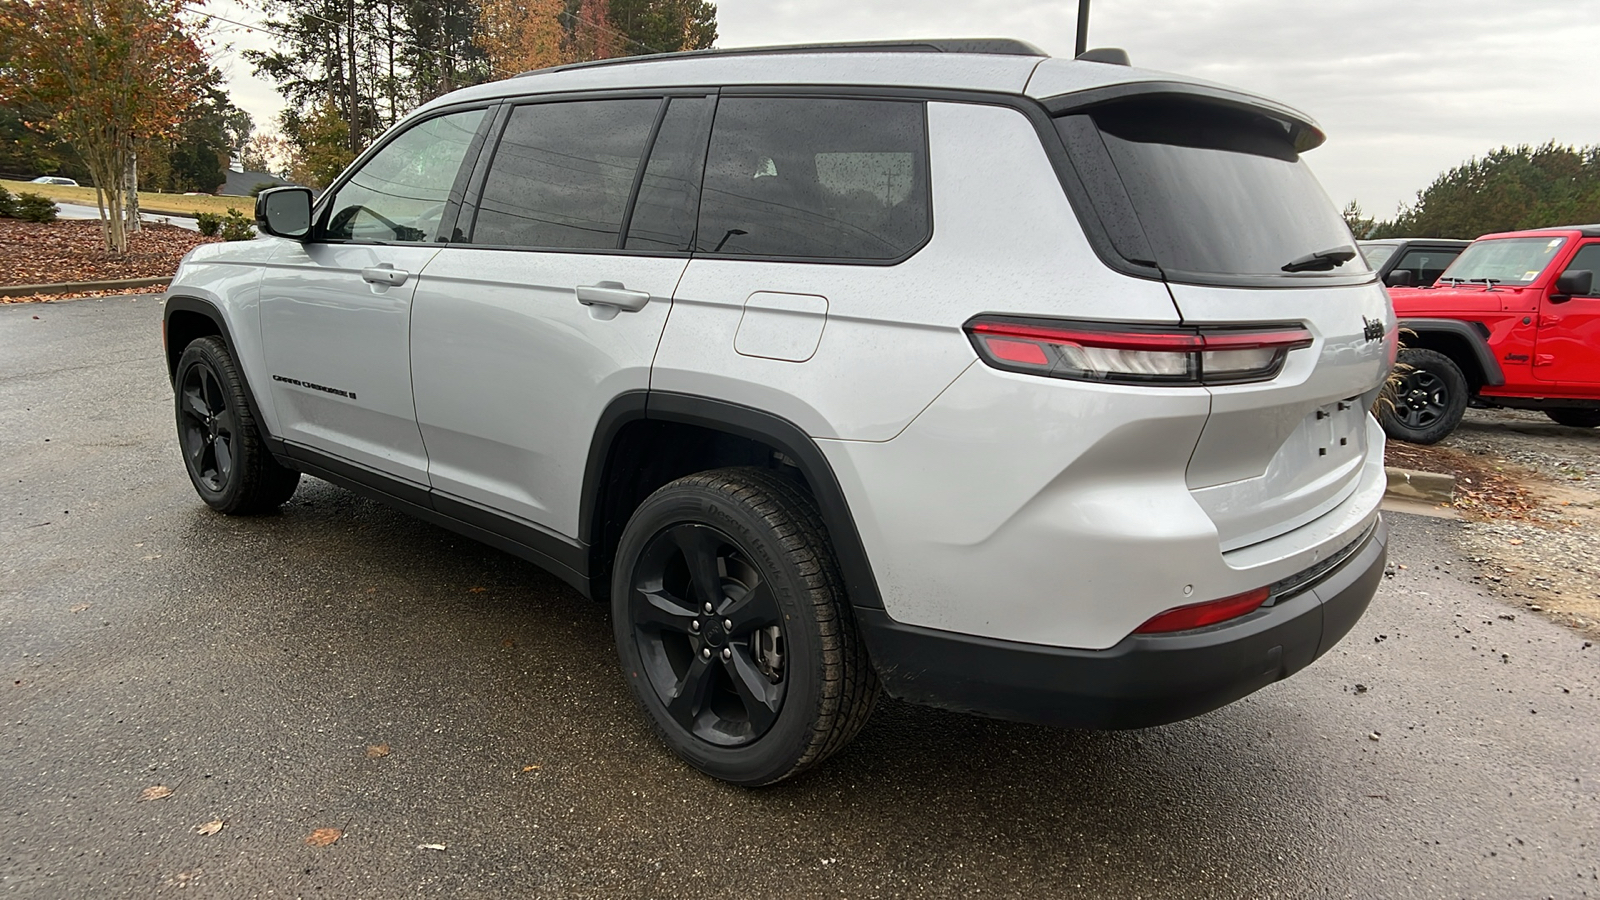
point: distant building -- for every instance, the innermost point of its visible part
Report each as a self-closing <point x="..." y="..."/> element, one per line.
<point x="239" y="184"/>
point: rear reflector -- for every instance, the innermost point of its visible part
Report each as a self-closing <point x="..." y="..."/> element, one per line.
<point x="1134" y="354"/>
<point x="1199" y="615"/>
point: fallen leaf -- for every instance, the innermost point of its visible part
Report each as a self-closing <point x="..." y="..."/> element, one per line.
<point x="1514" y="541"/>
<point x="209" y="828"/>
<point x="477" y="590"/>
<point x="155" y="792"/>
<point x="80" y="607"/>
<point x="322" y="837"/>
<point x="376" y="750"/>
<point x="438" y="847"/>
<point x="509" y="643"/>
<point x="530" y="768"/>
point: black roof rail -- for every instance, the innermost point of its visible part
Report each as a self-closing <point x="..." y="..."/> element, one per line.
<point x="992" y="46"/>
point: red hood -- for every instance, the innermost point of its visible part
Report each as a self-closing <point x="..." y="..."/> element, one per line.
<point x="1421" y="301"/>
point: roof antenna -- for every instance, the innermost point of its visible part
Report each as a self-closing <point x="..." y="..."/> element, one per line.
<point x="1083" y="28"/>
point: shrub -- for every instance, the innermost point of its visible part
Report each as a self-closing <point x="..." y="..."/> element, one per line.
<point x="235" y="227"/>
<point x="8" y="205"/>
<point x="208" y="223"/>
<point x="34" y="208"/>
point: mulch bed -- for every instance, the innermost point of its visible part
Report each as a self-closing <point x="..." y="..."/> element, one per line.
<point x="1485" y="488"/>
<point x="64" y="251"/>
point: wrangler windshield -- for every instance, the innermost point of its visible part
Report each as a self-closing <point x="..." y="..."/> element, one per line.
<point x="1503" y="261"/>
<point x="1220" y="193"/>
<point x="1378" y="254"/>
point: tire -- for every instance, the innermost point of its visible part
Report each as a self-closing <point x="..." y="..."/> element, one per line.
<point x="228" y="462"/>
<point x="790" y="684"/>
<point x="1424" y="399"/>
<point x="1574" y="417"/>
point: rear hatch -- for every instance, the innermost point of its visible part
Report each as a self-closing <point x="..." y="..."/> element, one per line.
<point x="1207" y="191"/>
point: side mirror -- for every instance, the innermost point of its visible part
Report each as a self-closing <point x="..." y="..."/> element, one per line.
<point x="1400" y="278"/>
<point x="1573" y="282"/>
<point x="284" y="212"/>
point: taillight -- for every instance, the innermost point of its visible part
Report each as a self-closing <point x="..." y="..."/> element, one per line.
<point x="1199" y="615"/>
<point x="1134" y="354"/>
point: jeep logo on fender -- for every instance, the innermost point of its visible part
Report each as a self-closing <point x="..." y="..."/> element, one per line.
<point x="1372" y="329"/>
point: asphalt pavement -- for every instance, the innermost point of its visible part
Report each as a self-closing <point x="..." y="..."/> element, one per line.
<point x="341" y="666"/>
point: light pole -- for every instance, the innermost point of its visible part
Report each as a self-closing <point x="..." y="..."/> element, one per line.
<point x="1083" y="27"/>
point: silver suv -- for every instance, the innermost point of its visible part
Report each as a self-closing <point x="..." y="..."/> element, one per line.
<point x="1026" y="387"/>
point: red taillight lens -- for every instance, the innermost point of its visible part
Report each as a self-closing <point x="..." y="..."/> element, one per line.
<point x="1199" y="615"/>
<point x="1092" y="351"/>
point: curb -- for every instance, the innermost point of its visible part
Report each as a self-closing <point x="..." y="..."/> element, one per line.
<point x="1430" y="487"/>
<point x="73" y="287"/>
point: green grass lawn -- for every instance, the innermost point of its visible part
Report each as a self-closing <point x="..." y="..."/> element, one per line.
<point x="149" y="201"/>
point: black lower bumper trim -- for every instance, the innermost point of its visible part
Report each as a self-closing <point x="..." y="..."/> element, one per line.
<point x="1145" y="680"/>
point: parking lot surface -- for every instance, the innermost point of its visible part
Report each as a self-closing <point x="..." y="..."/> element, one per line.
<point x="340" y="666"/>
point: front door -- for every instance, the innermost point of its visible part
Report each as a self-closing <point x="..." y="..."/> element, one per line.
<point x="554" y="306"/>
<point x="1568" y="345"/>
<point x="336" y="310"/>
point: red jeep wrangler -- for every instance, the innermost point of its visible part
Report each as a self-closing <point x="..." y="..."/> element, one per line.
<point x="1514" y="322"/>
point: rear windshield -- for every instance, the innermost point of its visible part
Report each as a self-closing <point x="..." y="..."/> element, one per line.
<point x="1220" y="193"/>
<point x="1503" y="261"/>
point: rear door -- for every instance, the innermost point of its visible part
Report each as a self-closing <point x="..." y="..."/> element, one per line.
<point x="1241" y="230"/>
<point x="1567" y="348"/>
<point x="336" y="310"/>
<point x="553" y="301"/>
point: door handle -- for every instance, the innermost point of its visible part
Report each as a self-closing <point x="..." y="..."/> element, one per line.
<point x="612" y="293"/>
<point x="385" y="273"/>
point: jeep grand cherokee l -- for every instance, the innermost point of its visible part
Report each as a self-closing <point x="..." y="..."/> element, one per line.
<point x="1028" y="387"/>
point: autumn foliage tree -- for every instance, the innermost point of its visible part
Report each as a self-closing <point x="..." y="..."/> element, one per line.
<point x="100" y="75"/>
<point x="519" y="35"/>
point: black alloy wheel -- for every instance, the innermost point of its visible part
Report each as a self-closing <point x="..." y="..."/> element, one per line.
<point x="228" y="462"/>
<point x="708" y="630"/>
<point x="1424" y="398"/>
<point x="206" y="427"/>
<point x="733" y="627"/>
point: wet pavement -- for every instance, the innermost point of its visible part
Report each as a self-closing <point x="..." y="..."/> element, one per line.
<point x="341" y="666"/>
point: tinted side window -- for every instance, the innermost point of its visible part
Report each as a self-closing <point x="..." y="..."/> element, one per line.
<point x="399" y="194"/>
<point x="1427" y="265"/>
<point x="800" y="177"/>
<point x="1587" y="259"/>
<point x="562" y="174"/>
<point x="669" y="195"/>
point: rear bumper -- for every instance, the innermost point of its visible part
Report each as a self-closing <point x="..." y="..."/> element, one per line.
<point x="1142" y="681"/>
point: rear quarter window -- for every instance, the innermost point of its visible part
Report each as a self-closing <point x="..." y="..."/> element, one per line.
<point x="813" y="178"/>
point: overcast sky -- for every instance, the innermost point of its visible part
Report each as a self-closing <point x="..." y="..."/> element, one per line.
<point x="1404" y="90"/>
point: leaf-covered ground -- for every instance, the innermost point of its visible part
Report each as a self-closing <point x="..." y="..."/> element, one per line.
<point x="72" y="251"/>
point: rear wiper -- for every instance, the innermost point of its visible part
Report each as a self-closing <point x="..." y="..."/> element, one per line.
<point x="1322" y="260"/>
